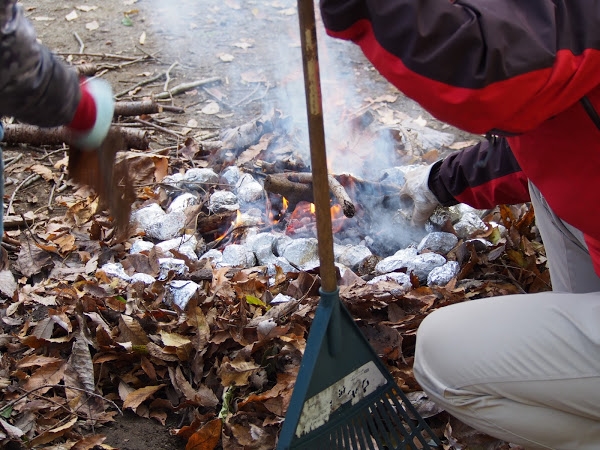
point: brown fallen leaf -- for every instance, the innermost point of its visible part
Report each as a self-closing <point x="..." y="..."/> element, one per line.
<point x="89" y="442"/>
<point x="207" y="437"/>
<point x="137" y="397"/>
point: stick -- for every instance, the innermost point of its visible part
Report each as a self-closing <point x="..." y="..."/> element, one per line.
<point x="53" y="190"/>
<point x="101" y="55"/>
<point x="30" y="179"/>
<point x="138" y="108"/>
<point x="141" y="84"/>
<point x="57" y="386"/>
<point x="168" y="75"/>
<point x="81" y="44"/>
<point x="294" y="192"/>
<point x="335" y="188"/>
<point x="295" y="187"/>
<point x="159" y="128"/>
<point x="32" y="135"/>
<point x="186" y="87"/>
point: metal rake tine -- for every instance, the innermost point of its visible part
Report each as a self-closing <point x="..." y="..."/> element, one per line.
<point x="415" y="430"/>
<point x="396" y="419"/>
<point x="390" y="428"/>
<point x="347" y="443"/>
<point x="380" y="426"/>
<point x="363" y="435"/>
<point x="373" y="431"/>
<point x="339" y="441"/>
<point x="353" y="434"/>
<point x="420" y="427"/>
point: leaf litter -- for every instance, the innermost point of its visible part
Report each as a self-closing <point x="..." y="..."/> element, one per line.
<point x="79" y="346"/>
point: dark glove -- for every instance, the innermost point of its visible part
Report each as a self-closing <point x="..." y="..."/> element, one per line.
<point x="416" y="188"/>
<point x="94" y="114"/>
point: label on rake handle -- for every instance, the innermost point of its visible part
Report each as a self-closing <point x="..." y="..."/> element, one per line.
<point x="352" y="388"/>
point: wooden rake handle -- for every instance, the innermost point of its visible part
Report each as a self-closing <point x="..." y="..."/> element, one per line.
<point x="318" y="154"/>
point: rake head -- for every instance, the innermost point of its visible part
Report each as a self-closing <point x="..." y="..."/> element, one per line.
<point x="344" y="397"/>
<point x="378" y="424"/>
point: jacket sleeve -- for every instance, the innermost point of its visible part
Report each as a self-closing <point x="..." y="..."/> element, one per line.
<point x="482" y="176"/>
<point x="479" y="65"/>
<point x="35" y="87"/>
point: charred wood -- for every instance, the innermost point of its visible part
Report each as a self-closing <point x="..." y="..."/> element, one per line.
<point x="294" y="191"/>
<point x="215" y="223"/>
<point x="336" y="189"/>
<point x="282" y="165"/>
<point x="296" y="187"/>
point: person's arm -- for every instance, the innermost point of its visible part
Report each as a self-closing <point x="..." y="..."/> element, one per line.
<point x="479" y="65"/>
<point x="38" y="89"/>
<point x="482" y="176"/>
<point x="35" y="87"/>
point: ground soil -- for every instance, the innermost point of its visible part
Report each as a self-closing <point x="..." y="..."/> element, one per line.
<point x="252" y="46"/>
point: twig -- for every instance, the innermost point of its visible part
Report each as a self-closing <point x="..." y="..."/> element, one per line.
<point x="29" y="180"/>
<point x="137" y="47"/>
<point x="81" y="44"/>
<point x="10" y="161"/>
<point x="140" y="84"/>
<point x="61" y="386"/>
<point x="54" y="186"/>
<point x="158" y="127"/>
<point x="186" y="87"/>
<point x="208" y="136"/>
<point x="168" y="75"/>
<point x="104" y="55"/>
<point x="48" y="155"/>
<point x="249" y="98"/>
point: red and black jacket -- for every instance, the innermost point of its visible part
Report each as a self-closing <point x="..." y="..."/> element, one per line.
<point x="527" y="70"/>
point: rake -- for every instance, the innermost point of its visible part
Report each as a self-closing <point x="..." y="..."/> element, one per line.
<point x="344" y="397"/>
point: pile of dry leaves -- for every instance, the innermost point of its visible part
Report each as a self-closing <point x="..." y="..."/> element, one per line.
<point x="79" y="346"/>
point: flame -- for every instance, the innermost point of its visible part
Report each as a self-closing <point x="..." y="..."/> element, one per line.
<point x="238" y="220"/>
<point x="285" y="204"/>
<point x="304" y="214"/>
<point x="337" y="218"/>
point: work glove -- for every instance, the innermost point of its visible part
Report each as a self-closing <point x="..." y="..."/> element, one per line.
<point x="94" y="114"/>
<point x="416" y="188"/>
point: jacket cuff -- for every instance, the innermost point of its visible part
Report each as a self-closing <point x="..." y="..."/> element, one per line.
<point x="437" y="186"/>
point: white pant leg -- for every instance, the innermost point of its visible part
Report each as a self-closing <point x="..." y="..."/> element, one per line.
<point x="522" y="368"/>
<point x="570" y="264"/>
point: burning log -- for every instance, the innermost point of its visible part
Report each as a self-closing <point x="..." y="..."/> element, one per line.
<point x="335" y="188"/>
<point x="143" y="107"/>
<point x="296" y="187"/>
<point x="32" y="135"/>
<point x="294" y="192"/>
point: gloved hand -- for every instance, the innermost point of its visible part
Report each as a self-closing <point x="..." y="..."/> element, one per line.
<point x="416" y="188"/>
<point x="94" y="114"/>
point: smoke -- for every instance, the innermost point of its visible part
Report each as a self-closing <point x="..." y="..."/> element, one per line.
<point x="264" y="38"/>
